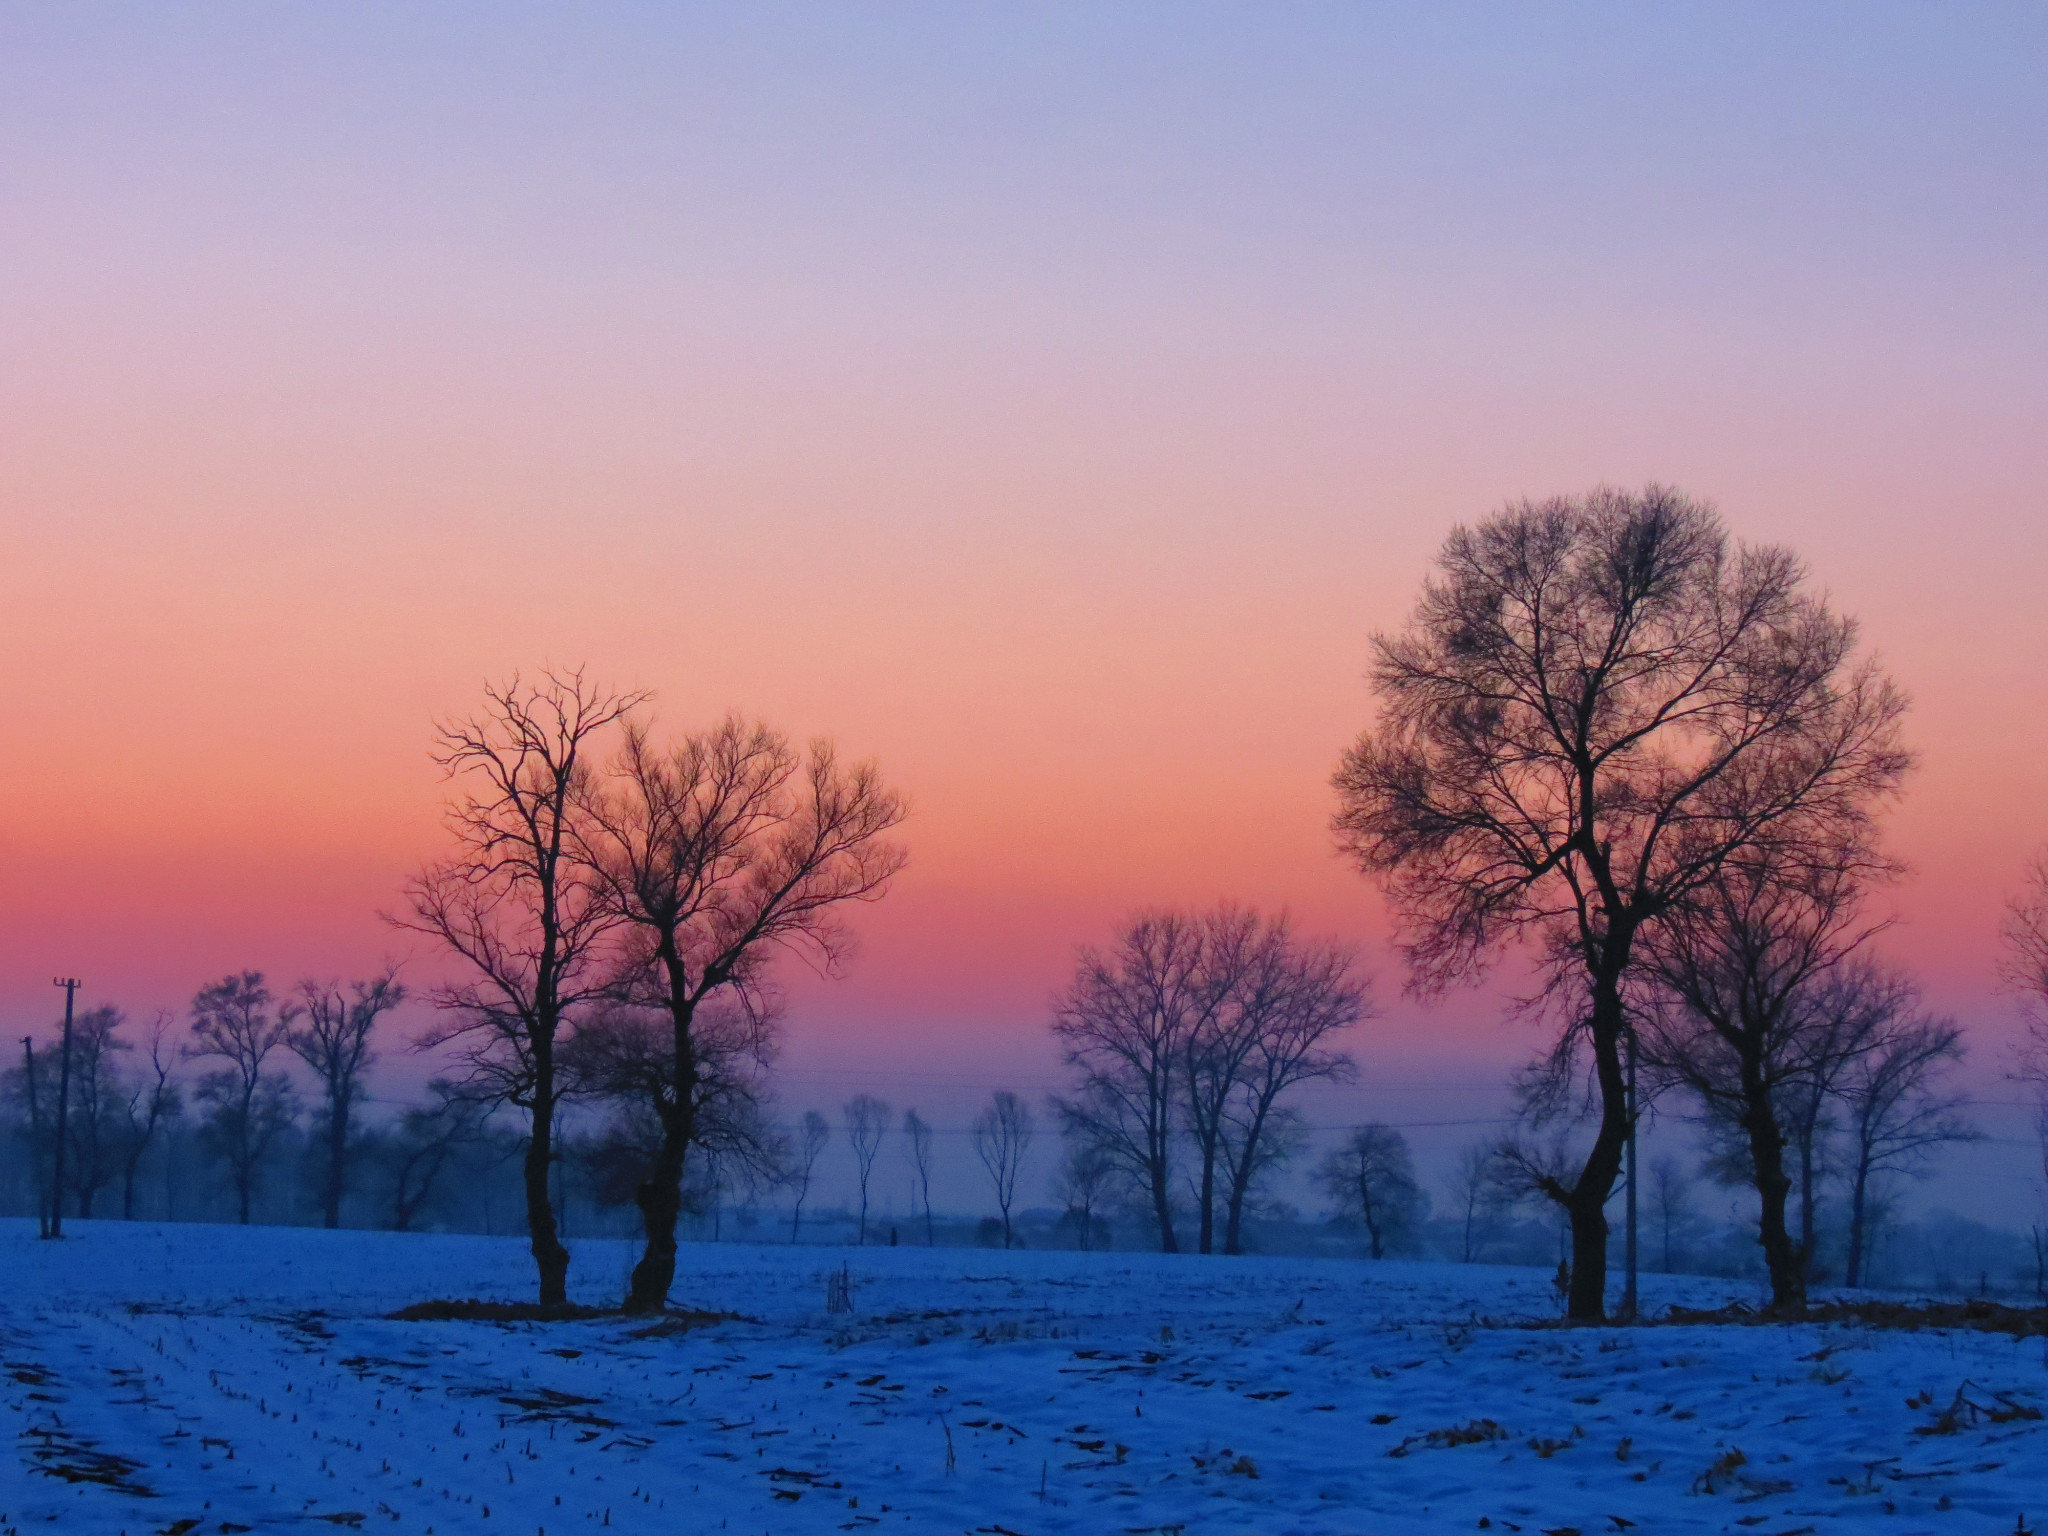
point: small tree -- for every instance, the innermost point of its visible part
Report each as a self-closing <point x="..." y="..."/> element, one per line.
<point x="1478" y="1198"/>
<point x="428" y="1136"/>
<point x="97" y="1102"/>
<point x="1086" y="1180"/>
<point x="234" y="1021"/>
<point x="1747" y="1017"/>
<point x="623" y="1056"/>
<point x="2026" y="969"/>
<point x="917" y="1146"/>
<point x="335" y="1042"/>
<point x="1298" y="996"/>
<point x="1002" y="1137"/>
<point x="1370" y="1179"/>
<point x="1595" y="706"/>
<point x="803" y="1165"/>
<point x="1898" y="1112"/>
<point x="1671" y="1207"/>
<point x="149" y="1103"/>
<point x="867" y="1123"/>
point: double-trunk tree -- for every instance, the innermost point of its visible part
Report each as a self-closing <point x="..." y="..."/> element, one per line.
<point x="1597" y="704"/>
<point x="515" y="903"/>
<point x="717" y="853"/>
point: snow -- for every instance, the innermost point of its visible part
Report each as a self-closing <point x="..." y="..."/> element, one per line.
<point x="247" y="1379"/>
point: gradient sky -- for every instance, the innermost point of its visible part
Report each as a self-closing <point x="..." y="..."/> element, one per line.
<point x="1049" y="401"/>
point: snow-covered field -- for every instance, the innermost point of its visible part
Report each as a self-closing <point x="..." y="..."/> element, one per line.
<point x="213" y="1379"/>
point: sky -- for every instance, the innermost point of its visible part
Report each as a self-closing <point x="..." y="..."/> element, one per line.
<point x="1049" y="402"/>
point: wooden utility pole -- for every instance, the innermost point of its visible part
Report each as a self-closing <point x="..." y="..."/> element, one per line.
<point x="70" y="986"/>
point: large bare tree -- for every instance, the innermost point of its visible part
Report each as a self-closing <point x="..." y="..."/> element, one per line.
<point x="237" y="1021"/>
<point x="334" y="1040"/>
<point x="1595" y="705"/>
<point x="718" y="854"/>
<point x="1747" y="1019"/>
<point x="516" y="905"/>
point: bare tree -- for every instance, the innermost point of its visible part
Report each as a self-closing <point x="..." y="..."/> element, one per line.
<point x="428" y="1136"/>
<point x="1238" y="966"/>
<point x="514" y="903"/>
<point x="1478" y="1196"/>
<point x="810" y="1146"/>
<point x="335" y="1042"/>
<point x="1746" y="1017"/>
<point x="1124" y="1024"/>
<point x="1671" y="1202"/>
<point x="718" y="854"/>
<point x="1085" y="1182"/>
<point x="1002" y="1137"/>
<point x="917" y="1146"/>
<point x="234" y="1020"/>
<point x="867" y="1123"/>
<point x="1898" y="1112"/>
<point x="1294" y="998"/>
<point x="623" y="1055"/>
<point x="150" y="1101"/>
<point x="96" y="1120"/>
<point x="2026" y="969"/>
<point x="1595" y="706"/>
<point x="1371" y="1180"/>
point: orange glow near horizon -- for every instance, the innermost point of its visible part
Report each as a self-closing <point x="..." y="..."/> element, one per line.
<point x="1062" y="460"/>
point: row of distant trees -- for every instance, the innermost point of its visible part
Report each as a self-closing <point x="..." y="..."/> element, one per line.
<point x="222" y="1077"/>
<point x="128" y="1107"/>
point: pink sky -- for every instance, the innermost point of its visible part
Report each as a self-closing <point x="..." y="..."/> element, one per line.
<point x="1046" y="411"/>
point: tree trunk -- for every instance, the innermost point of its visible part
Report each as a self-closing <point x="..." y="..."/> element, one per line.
<point x="1586" y="1202"/>
<point x="1773" y="1185"/>
<point x="660" y="1198"/>
<point x="337" y="1158"/>
<point x="1206" y="1241"/>
<point x="549" y="1256"/>
<point x="1806" y="1244"/>
<point x="1162" y="1208"/>
<point x="1372" y="1226"/>
<point x="1852" y="1275"/>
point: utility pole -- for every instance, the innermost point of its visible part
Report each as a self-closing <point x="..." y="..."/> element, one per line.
<point x="70" y="986"/>
<point x="1628" y="1295"/>
<point x="35" y="1142"/>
